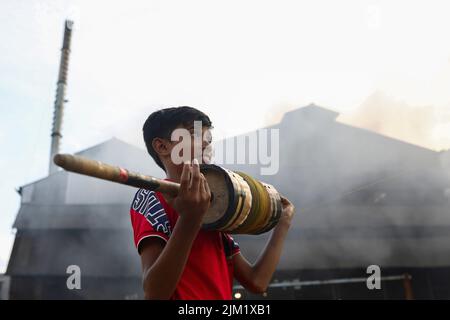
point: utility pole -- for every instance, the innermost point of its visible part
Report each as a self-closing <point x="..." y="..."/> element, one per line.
<point x="60" y="94"/>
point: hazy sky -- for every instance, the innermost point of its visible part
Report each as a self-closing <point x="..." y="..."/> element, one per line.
<point x="243" y="62"/>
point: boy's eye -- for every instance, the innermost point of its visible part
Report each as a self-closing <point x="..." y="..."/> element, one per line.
<point x="196" y="134"/>
<point x="200" y="135"/>
<point x="208" y="137"/>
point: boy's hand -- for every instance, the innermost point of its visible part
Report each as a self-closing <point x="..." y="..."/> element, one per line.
<point x="194" y="196"/>
<point x="288" y="211"/>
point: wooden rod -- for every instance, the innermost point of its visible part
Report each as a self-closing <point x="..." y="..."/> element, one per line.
<point x="117" y="174"/>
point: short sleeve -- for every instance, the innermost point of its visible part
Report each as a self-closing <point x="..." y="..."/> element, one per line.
<point x="230" y="245"/>
<point x="148" y="217"/>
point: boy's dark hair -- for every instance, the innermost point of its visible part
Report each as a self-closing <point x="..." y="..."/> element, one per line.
<point x="161" y="123"/>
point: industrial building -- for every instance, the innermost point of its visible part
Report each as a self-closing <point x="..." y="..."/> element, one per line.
<point x="362" y="199"/>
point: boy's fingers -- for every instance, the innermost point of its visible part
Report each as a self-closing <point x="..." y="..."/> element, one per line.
<point x="195" y="181"/>
<point x="185" y="177"/>
<point x="206" y="185"/>
<point x="169" y="199"/>
<point x="202" y="183"/>
<point x="285" y="202"/>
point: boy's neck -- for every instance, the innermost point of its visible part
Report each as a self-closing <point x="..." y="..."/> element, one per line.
<point x="174" y="173"/>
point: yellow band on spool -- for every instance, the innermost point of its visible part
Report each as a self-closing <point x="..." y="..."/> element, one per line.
<point x="261" y="207"/>
<point x="265" y="209"/>
<point x="276" y="208"/>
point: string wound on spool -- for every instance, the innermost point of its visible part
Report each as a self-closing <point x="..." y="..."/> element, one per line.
<point x="242" y="204"/>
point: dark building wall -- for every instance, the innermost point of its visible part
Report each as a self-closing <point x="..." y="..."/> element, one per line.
<point x="92" y="288"/>
<point x="107" y="259"/>
<point x="427" y="283"/>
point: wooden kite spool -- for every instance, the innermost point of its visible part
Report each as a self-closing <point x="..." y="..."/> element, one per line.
<point x="240" y="203"/>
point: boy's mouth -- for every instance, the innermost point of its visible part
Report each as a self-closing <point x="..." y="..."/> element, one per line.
<point x="206" y="155"/>
<point x="206" y="158"/>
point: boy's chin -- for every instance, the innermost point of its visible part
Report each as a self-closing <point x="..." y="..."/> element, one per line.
<point x="206" y="159"/>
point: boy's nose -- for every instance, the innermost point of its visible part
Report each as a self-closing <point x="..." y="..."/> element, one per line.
<point x="206" y="143"/>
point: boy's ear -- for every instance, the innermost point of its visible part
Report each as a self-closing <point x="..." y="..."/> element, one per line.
<point x="161" y="146"/>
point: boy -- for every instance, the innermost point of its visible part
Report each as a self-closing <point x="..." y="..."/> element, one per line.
<point x="179" y="259"/>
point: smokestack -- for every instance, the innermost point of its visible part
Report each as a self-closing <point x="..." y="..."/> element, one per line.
<point x="60" y="94"/>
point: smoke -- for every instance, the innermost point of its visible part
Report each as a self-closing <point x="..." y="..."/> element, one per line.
<point x="361" y="198"/>
<point x="426" y="126"/>
<point x="276" y="113"/>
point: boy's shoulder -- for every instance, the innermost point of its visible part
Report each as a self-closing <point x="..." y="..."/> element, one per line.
<point x="152" y="205"/>
<point x="147" y="200"/>
<point x="149" y="216"/>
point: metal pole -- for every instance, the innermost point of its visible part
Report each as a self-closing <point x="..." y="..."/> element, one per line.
<point x="324" y="282"/>
<point x="407" y="285"/>
<point x="60" y="94"/>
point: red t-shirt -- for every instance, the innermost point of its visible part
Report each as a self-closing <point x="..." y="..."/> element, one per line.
<point x="208" y="274"/>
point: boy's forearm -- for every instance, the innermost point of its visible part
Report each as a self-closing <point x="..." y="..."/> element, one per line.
<point x="266" y="264"/>
<point x="161" y="279"/>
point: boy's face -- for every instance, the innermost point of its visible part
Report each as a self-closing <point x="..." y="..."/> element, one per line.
<point x="191" y="142"/>
<point x="201" y="147"/>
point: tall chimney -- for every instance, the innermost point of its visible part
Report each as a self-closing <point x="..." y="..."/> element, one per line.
<point x="60" y="94"/>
